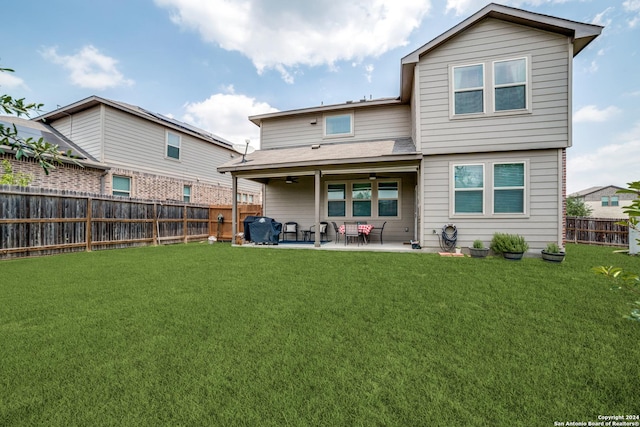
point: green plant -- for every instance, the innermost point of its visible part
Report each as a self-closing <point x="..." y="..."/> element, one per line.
<point x="633" y="210"/>
<point x="552" y="248"/>
<point x="629" y="281"/>
<point x="477" y="244"/>
<point x="14" y="178"/>
<point x="577" y="207"/>
<point x="504" y="242"/>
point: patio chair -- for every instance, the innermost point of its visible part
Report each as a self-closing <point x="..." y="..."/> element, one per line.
<point x="377" y="232"/>
<point x="351" y="231"/>
<point x="337" y="230"/>
<point x="290" y="227"/>
<point x="323" y="230"/>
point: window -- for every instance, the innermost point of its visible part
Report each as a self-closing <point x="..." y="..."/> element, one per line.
<point x="121" y="186"/>
<point x="468" y="189"/>
<point x="510" y="84"/>
<point x="250" y="198"/>
<point x="338" y="125"/>
<point x="361" y="199"/>
<point x="468" y="89"/>
<point x="614" y="201"/>
<point x="364" y="199"/>
<point x="337" y="200"/>
<point x="508" y="188"/>
<point x="387" y="199"/>
<point x="605" y="200"/>
<point x="186" y="193"/>
<point x="173" y="146"/>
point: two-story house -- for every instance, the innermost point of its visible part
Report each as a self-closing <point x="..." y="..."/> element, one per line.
<point x="604" y="201"/>
<point x="476" y="139"/>
<point x="148" y="155"/>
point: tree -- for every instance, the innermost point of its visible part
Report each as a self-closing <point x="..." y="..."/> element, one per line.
<point x="9" y="177"/>
<point x="577" y="207"/>
<point x="46" y="154"/>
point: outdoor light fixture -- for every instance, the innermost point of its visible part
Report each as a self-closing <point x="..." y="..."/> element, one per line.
<point x="372" y="176"/>
<point x="289" y="180"/>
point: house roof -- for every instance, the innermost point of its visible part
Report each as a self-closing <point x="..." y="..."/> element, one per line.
<point x="319" y="155"/>
<point x="36" y="130"/>
<point x="581" y="35"/>
<point x="591" y="190"/>
<point x="348" y="105"/>
<point x="169" y="122"/>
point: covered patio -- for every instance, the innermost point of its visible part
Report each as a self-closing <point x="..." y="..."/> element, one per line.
<point x="372" y="182"/>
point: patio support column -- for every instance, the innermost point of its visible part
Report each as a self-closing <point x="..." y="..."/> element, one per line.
<point x="317" y="234"/>
<point x="234" y="208"/>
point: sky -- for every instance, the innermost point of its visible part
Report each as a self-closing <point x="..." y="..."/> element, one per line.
<point x="213" y="63"/>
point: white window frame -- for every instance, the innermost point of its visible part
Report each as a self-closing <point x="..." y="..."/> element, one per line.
<point x="527" y="92"/>
<point x="453" y="190"/>
<point x="524" y="188"/>
<point x="338" y="135"/>
<point x="454" y="91"/>
<point x="168" y="144"/>
<point x="349" y="200"/>
<point x="186" y="193"/>
<point x="489" y="88"/>
<point x="397" y="199"/>
<point x="125" y="193"/>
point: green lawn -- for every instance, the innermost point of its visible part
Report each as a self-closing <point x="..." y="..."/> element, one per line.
<point x="203" y="334"/>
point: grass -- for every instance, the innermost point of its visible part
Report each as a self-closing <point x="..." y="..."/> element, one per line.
<point x="213" y="335"/>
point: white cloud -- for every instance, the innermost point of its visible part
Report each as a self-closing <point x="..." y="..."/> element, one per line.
<point x="591" y="113"/>
<point x="632" y="6"/>
<point x="9" y="80"/>
<point x="600" y="19"/>
<point x="284" y="35"/>
<point x="226" y="115"/>
<point x="89" y="68"/>
<point x="369" y="72"/>
<point x="615" y="164"/>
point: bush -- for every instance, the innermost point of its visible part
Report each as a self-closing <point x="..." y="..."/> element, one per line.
<point x="503" y="242"/>
<point x="477" y="244"/>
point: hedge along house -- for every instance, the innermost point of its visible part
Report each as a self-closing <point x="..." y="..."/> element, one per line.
<point x="148" y="155"/>
<point x="477" y="138"/>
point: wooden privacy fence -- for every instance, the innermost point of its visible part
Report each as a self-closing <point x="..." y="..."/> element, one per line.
<point x="597" y="231"/>
<point x="41" y="222"/>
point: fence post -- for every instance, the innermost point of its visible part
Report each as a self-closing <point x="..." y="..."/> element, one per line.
<point x="184" y="224"/>
<point x="155" y="225"/>
<point x="88" y="224"/>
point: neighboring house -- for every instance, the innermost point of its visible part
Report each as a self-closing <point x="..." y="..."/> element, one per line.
<point x="477" y="139"/>
<point x="82" y="173"/>
<point x="604" y="202"/>
<point x="148" y="155"/>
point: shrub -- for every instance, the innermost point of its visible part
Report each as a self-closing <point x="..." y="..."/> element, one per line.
<point x="503" y="242"/>
<point x="553" y="248"/>
<point x="477" y="244"/>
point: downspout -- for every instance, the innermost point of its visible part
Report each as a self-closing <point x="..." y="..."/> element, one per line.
<point x="318" y="233"/>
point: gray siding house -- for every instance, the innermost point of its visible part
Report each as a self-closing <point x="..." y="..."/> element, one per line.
<point x="476" y="139"/>
<point x="604" y="201"/>
<point x="148" y="155"/>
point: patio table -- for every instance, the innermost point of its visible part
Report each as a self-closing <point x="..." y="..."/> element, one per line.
<point x="365" y="229"/>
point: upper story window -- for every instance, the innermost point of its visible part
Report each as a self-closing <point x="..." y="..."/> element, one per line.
<point x="614" y="201"/>
<point x="121" y="186"/>
<point x="173" y="145"/>
<point x="510" y="84"/>
<point x="605" y="200"/>
<point x="494" y="87"/>
<point x="468" y="89"/>
<point x="336" y="125"/>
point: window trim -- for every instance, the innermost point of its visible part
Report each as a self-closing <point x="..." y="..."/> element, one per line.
<point x="338" y="135"/>
<point x="167" y="145"/>
<point x="489" y="89"/>
<point x="525" y="186"/>
<point x="527" y="85"/>
<point x="453" y="190"/>
<point x="489" y="188"/>
<point x="349" y="200"/>
<point x="113" y="190"/>
<point x="454" y="91"/>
